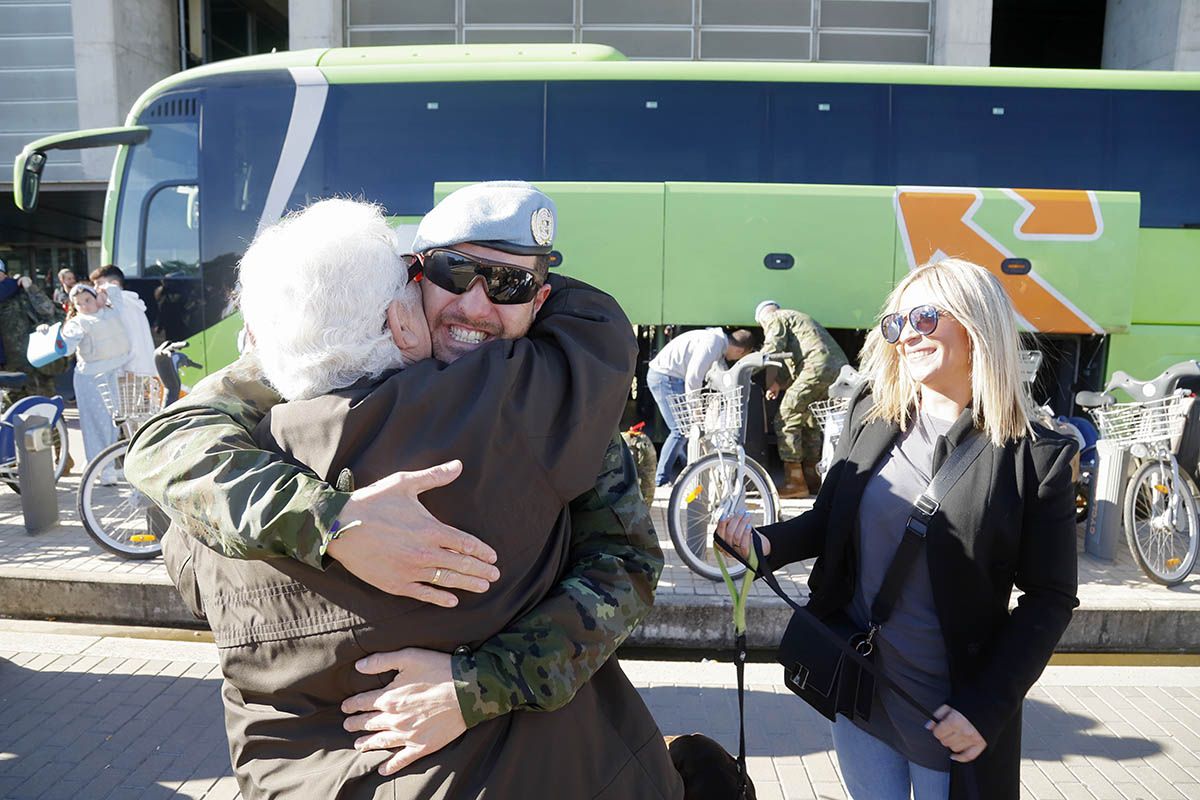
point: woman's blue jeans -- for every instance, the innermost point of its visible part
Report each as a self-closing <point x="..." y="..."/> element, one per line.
<point x="674" y="449"/>
<point x="873" y="770"/>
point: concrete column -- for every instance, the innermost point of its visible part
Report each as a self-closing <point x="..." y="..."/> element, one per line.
<point x="1188" y="54"/>
<point x="315" y="23"/>
<point x="962" y="32"/>
<point x="1161" y="35"/>
<point x="121" y="48"/>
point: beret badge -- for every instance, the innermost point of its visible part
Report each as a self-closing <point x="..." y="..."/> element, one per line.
<point x="542" y="226"/>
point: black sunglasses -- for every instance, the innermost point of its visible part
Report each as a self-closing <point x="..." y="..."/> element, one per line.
<point x="504" y="284"/>
<point x="924" y="320"/>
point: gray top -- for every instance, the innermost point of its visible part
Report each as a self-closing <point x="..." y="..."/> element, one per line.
<point x="910" y="648"/>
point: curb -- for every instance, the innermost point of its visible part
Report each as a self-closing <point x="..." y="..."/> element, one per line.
<point x="677" y="623"/>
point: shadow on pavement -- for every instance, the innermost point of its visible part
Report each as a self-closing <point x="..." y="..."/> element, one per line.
<point x="79" y="734"/>
<point x="779" y="724"/>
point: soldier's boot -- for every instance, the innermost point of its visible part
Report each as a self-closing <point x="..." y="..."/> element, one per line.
<point x="811" y="477"/>
<point x="795" y="485"/>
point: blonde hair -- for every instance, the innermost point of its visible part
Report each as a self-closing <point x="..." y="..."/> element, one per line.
<point x="980" y="304"/>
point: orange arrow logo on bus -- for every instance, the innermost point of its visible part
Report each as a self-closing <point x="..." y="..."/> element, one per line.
<point x="940" y="222"/>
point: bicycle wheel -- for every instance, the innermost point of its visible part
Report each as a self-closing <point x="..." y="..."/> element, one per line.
<point x="113" y="512"/>
<point x="58" y="438"/>
<point x="1161" y="525"/>
<point x="699" y="492"/>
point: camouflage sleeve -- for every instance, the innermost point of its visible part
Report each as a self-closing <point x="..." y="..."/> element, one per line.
<point x="42" y="305"/>
<point x="775" y="340"/>
<point x="198" y="461"/>
<point x="543" y="658"/>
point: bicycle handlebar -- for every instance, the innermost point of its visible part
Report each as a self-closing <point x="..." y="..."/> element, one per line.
<point x="847" y="383"/>
<point x="1139" y="391"/>
<point x="751" y="362"/>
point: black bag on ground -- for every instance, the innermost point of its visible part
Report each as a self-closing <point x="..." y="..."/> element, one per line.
<point x="707" y="769"/>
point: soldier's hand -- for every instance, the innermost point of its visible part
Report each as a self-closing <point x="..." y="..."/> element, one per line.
<point x="397" y="546"/>
<point x="416" y="714"/>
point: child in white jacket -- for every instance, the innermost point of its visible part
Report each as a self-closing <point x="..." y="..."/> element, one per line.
<point x="101" y="349"/>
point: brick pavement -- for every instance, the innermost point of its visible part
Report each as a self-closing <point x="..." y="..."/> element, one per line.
<point x="90" y="716"/>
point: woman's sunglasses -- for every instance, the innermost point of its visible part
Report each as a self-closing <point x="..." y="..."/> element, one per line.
<point x="924" y="320"/>
<point x="505" y="285"/>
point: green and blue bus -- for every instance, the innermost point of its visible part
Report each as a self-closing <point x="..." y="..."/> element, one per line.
<point x="692" y="190"/>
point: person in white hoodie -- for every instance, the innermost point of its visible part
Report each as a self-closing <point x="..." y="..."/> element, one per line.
<point x="110" y="289"/>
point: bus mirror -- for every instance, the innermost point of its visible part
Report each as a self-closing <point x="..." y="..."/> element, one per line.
<point x="29" y="163"/>
<point x="28" y="180"/>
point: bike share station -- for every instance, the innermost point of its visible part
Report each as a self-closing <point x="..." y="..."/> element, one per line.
<point x="35" y="472"/>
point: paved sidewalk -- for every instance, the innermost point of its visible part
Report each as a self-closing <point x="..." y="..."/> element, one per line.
<point x="63" y="574"/>
<point x="89" y="716"/>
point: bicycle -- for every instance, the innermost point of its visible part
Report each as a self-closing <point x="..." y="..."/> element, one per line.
<point x="50" y="408"/>
<point x="1161" y="524"/>
<point x="113" y="512"/>
<point x="719" y="478"/>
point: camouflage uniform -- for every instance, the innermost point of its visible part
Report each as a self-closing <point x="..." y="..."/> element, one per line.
<point x="19" y="316"/>
<point x="644" y="456"/>
<point x="198" y="461"/>
<point x="811" y="363"/>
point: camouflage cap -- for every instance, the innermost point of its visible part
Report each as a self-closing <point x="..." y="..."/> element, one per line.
<point x="513" y="216"/>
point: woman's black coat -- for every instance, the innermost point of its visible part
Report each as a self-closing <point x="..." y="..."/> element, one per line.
<point x="1010" y="520"/>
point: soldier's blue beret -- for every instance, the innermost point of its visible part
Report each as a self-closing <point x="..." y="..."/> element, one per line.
<point x="513" y="216"/>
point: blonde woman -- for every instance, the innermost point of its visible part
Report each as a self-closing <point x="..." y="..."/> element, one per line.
<point x="942" y="362"/>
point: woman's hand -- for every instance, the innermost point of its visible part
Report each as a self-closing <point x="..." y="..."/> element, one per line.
<point x="415" y="715"/>
<point x="43" y="328"/>
<point x="736" y="530"/>
<point x="957" y="734"/>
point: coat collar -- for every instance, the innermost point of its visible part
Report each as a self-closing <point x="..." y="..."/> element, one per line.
<point x="961" y="427"/>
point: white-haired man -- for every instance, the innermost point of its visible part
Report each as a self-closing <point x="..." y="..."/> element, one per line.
<point x="545" y="400"/>
<point x="311" y="327"/>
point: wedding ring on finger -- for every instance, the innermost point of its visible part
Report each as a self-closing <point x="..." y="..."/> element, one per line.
<point x="437" y="575"/>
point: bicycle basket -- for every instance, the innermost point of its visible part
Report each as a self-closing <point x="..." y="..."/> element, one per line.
<point x="1149" y="422"/>
<point x="713" y="412"/>
<point x="830" y="414"/>
<point x="130" y="396"/>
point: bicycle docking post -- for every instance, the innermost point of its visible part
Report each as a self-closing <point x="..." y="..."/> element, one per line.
<point x="1105" y="515"/>
<point x="35" y="460"/>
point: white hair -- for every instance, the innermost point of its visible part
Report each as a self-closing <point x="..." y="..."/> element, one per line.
<point x="314" y="291"/>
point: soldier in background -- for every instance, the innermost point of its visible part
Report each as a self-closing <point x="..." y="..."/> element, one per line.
<point x="23" y="307"/>
<point x="811" y="362"/>
<point x="643" y="454"/>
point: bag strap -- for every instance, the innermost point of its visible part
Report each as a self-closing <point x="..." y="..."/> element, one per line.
<point x="953" y="468"/>
<point x="740" y="663"/>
